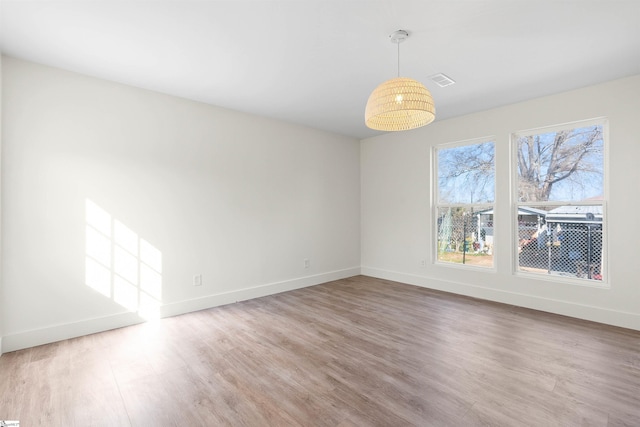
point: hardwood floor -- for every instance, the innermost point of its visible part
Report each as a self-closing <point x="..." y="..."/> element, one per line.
<point x="354" y="352"/>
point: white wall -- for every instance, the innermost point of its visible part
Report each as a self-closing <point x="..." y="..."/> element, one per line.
<point x="243" y="200"/>
<point x="397" y="223"/>
<point x="1" y="297"/>
<point x="240" y="199"/>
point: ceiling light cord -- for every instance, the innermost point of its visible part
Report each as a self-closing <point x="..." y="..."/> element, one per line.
<point x="398" y="59"/>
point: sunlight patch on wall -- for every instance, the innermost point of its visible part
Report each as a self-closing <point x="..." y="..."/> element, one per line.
<point x="120" y="265"/>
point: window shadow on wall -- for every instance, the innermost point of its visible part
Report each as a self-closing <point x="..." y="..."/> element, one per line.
<point x="121" y="265"/>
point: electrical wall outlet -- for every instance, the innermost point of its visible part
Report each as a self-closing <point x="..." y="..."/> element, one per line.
<point x="307" y="263"/>
<point x="197" y="280"/>
<point x="423" y="262"/>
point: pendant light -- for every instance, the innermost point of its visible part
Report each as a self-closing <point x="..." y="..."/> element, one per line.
<point x="401" y="103"/>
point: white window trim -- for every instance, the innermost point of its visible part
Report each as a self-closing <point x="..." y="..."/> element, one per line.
<point x="605" y="283"/>
<point x="435" y="203"/>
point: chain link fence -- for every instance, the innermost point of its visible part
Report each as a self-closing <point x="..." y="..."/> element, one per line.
<point x="561" y="240"/>
<point x="566" y="242"/>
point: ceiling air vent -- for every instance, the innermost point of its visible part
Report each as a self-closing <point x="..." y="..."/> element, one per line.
<point x="442" y="80"/>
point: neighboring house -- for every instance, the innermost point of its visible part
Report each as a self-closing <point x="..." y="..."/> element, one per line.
<point x="530" y="221"/>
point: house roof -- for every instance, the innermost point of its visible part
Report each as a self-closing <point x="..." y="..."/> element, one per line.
<point x="521" y="211"/>
<point x="572" y="214"/>
<point x="575" y="214"/>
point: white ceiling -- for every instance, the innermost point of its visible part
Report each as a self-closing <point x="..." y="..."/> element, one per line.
<point x="315" y="62"/>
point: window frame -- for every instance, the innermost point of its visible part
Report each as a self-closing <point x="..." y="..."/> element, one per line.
<point x="436" y="204"/>
<point x="516" y="204"/>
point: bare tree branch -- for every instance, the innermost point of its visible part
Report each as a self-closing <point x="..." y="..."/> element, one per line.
<point x="543" y="164"/>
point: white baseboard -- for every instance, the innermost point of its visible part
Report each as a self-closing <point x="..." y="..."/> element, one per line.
<point x="188" y="306"/>
<point x="55" y="333"/>
<point x="65" y="331"/>
<point x="89" y="326"/>
<point x="580" y="311"/>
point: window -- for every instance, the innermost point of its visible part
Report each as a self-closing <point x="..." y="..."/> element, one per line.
<point x="560" y="201"/>
<point x="464" y="198"/>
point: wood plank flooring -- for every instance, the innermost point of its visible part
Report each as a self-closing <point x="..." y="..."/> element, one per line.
<point x="354" y="352"/>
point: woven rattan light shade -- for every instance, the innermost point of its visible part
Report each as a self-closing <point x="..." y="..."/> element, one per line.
<point x="399" y="104"/>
